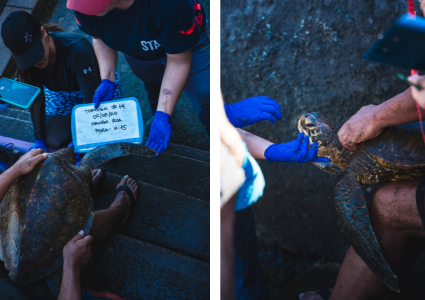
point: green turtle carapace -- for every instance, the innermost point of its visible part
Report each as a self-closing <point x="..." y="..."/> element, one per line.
<point x="44" y="209"/>
<point x="398" y="153"/>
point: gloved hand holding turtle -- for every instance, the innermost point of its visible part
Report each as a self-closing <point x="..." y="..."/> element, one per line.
<point x="252" y="110"/>
<point x="39" y="144"/>
<point x="160" y="133"/>
<point x="105" y="92"/>
<point x="295" y="151"/>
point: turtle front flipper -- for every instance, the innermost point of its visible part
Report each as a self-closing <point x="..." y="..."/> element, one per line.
<point x="354" y="216"/>
<point x="105" y="153"/>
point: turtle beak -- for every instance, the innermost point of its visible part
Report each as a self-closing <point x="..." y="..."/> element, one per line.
<point x="306" y="124"/>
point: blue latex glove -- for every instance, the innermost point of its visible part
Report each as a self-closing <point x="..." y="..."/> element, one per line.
<point x="4" y="106"/>
<point x="39" y="144"/>
<point x="104" y="92"/>
<point x="78" y="156"/>
<point x="160" y="133"/>
<point x="252" y="189"/>
<point x="3" y="166"/>
<point x="295" y="151"/>
<point x="253" y="110"/>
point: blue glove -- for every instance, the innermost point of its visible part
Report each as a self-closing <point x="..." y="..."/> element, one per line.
<point x="3" y="166"/>
<point x="160" y="133"/>
<point x="252" y="110"/>
<point x="104" y="92"/>
<point x="252" y="189"/>
<point x="78" y="156"/>
<point x="4" y="106"/>
<point x="39" y="144"/>
<point x="295" y="151"/>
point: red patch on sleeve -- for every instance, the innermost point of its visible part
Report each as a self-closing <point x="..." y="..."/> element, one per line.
<point x="79" y="24"/>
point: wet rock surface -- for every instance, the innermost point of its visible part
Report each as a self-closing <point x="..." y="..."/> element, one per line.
<point x="308" y="57"/>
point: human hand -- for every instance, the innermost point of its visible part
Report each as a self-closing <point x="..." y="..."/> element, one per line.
<point x="104" y="92"/>
<point x="4" y="106"/>
<point x="253" y="110"/>
<point x="77" y="252"/>
<point x="160" y="133"/>
<point x="294" y="151"/>
<point x="39" y="144"/>
<point x="28" y="161"/>
<point x="361" y="127"/>
<point x="419" y="96"/>
<point x="422" y="6"/>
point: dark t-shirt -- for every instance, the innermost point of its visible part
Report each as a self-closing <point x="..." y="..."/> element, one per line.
<point x="148" y="29"/>
<point x="75" y="68"/>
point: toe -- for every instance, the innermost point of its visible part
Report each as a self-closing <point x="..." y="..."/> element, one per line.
<point x="123" y="181"/>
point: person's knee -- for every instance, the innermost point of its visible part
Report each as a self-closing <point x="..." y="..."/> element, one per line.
<point x="394" y="205"/>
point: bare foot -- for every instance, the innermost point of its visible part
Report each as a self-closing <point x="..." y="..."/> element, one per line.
<point x="313" y="295"/>
<point x="96" y="174"/>
<point x="122" y="200"/>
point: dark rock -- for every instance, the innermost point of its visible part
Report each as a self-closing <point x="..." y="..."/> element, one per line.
<point x="308" y="57"/>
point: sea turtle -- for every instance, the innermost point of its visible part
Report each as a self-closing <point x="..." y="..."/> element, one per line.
<point x="398" y="153"/>
<point x="44" y="209"/>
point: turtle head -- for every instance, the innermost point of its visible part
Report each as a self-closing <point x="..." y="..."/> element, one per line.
<point x="323" y="132"/>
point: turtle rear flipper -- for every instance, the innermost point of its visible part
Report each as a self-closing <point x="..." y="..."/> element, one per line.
<point x="354" y="216"/>
<point x="105" y="153"/>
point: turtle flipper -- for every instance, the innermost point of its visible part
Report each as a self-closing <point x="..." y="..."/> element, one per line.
<point x="354" y="216"/>
<point x="105" y="153"/>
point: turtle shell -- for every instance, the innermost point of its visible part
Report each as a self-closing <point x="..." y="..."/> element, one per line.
<point x="41" y="212"/>
<point x="398" y="147"/>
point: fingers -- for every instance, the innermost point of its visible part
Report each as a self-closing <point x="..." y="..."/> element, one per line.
<point x="267" y="116"/>
<point x="312" y="152"/>
<point x="88" y="239"/>
<point x="39" y="158"/>
<point x="273" y="110"/>
<point x="321" y="159"/>
<point x="79" y="236"/>
<point x="302" y="154"/>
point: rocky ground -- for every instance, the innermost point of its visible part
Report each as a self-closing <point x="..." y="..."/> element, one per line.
<point x="307" y="55"/>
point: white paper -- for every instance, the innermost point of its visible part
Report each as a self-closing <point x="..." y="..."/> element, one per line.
<point x="111" y="121"/>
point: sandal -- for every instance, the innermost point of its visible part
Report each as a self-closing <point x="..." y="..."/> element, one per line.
<point x="325" y="294"/>
<point x="130" y="194"/>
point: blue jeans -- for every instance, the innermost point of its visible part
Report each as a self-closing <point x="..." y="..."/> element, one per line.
<point x="197" y="87"/>
<point x="250" y="282"/>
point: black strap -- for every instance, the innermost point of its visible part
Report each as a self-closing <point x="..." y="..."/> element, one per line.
<point x="325" y="294"/>
<point x="130" y="194"/>
<point x="420" y="200"/>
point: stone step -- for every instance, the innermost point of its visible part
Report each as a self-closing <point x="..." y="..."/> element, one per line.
<point x="179" y="168"/>
<point x="16" y="124"/>
<point x="139" y="270"/>
<point x="163" y="217"/>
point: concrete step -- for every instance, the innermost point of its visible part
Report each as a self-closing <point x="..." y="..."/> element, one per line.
<point x="179" y="168"/>
<point x="16" y="123"/>
<point x="163" y="217"/>
<point x="139" y="270"/>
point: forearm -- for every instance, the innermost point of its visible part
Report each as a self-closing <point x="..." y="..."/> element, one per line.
<point x="70" y="288"/>
<point x="6" y="181"/>
<point x="398" y="110"/>
<point x="107" y="59"/>
<point x="175" y="78"/>
<point x="255" y="144"/>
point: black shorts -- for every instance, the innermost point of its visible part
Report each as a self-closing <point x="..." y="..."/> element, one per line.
<point x="420" y="199"/>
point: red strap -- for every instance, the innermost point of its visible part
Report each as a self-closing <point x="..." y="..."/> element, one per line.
<point x="411" y="10"/>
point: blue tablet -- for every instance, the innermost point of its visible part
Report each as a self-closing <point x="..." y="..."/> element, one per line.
<point x="18" y="93"/>
<point x="402" y="45"/>
<point x="112" y="122"/>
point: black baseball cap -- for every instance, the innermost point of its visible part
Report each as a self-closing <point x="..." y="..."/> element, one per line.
<point x="21" y="33"/>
